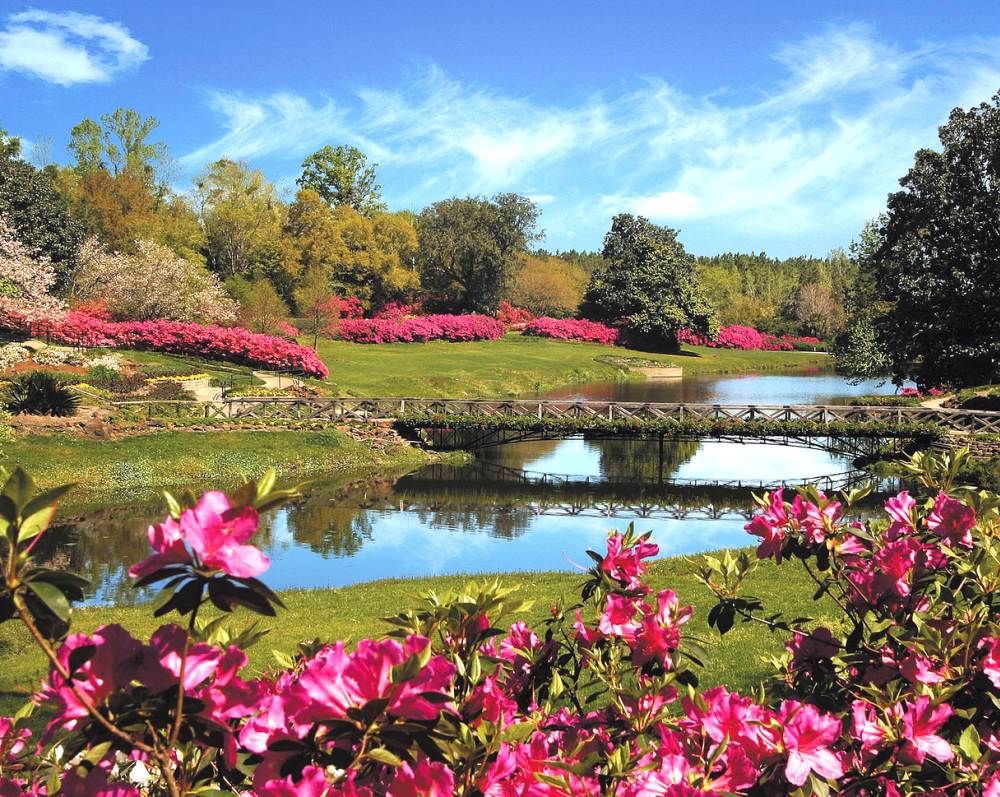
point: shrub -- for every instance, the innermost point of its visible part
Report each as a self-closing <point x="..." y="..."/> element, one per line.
<point x="736" y="337"/>
<point x="40" y="393"/>
<point x="222" y="343"/>
<point x="453" y="328"/>
<point x="569" y="329"/>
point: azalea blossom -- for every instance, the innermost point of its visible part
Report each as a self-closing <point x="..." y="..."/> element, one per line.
<point x="952" y="520"/>
<point x="808" y="736"/>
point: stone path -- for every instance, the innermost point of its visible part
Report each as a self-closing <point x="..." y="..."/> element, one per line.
<point x="272" y="381"/>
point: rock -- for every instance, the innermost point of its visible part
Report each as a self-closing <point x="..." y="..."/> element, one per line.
<point x="98" y="429"/>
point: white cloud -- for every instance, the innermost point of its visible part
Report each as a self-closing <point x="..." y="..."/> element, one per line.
<point x="68" y="48"/>
<point x="814" y="153"/>
<point x="541" y="199"/>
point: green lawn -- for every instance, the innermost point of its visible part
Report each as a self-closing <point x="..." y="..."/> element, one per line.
<point x="516" y="365"/>
<point x="131" y="467"/>
<point x="351" y="613"/>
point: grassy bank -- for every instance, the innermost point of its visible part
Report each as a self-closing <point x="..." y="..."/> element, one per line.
<point x="351" y="613"/>
<point x="516" y="365"/>
<point x="135" y="466"/>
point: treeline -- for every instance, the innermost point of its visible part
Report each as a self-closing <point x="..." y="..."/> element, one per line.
<point x="233" y="245"/>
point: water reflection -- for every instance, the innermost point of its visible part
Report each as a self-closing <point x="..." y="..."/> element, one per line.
<point x="498" y="514"/>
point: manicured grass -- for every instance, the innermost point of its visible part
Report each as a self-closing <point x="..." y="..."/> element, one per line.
<point x="134" y="466"/>
<point x="738" y="659"/>
<point x="516" y="365"/>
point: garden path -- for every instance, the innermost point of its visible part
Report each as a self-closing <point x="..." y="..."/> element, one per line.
<point x="271" y="381"/>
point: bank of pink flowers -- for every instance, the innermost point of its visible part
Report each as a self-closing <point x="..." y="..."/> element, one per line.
<point x="570" y="329"/>
<point x="233" y="344"/>
<point x="738" y="337"/>
<point x="899" y="696"/>
<point x="393" y="328"/>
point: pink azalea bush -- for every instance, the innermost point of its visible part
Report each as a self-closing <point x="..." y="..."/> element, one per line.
<point x="901" y="696"/>
<point x="512" y="317"/>
<point x="570" y="329"/>
<point x="738" y="337"/>
<point x="224" y="343"/>
<point x="421" y="329"/>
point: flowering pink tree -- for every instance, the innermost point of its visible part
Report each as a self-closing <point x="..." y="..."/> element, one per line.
<point x="900" y="697"/>
<point x="25" y="279"/>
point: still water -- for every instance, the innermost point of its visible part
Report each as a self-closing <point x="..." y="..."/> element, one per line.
<point x="520" y="507"/>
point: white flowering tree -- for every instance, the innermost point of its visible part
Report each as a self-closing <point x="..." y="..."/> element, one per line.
<point x="153" y="283"/>
<point x="26" y="280"/>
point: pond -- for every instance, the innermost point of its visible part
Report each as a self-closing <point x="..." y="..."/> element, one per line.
<point x="519" y="507"/>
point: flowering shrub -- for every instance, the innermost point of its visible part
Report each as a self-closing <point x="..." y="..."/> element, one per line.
<point x="421" y="329"/>
<point x="738" y="337"/>
<point x="511" y="316"/>
<point x="287" y="329"/>
<point x="392" y="311"/>
<point x="900" y="697"/>
<point x="568" y="329"/>
<point x="224" y="343"/>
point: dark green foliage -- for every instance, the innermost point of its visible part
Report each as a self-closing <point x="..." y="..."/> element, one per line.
<point x="934" y="258"/>
<point x="34" y="209"/>
<point x="39" y="393"/>
<point x="168" y="391"/>
<point x="469" y="248"/>
<point x="650" y="281"/>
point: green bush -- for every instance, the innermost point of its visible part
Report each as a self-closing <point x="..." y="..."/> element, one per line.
<point x="40" y="393"/>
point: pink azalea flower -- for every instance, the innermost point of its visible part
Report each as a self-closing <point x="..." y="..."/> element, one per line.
<point x="619" y="618"/>
<point x="897" y="560"/>
<point x="952" y="520"/>
<point x="218" y="533"/>
<point x="428" y="779"/>
<point x="807" y="736"/>
<point x="900" y="509"/>
<point x="816" y="523"/>
<point x="168" y="541"/>
<point x="659" y="634"/>
<point x="991" y="664"/>
<point x="920" y="725"/>
<point x="627" y="566"/>
<point x="920" y="669"/>
<point x="771" y="534"/>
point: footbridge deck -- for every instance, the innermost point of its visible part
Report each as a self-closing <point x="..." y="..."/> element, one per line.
<point x="422" y="412"/>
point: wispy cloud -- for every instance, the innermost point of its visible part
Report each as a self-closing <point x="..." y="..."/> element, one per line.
<point x="68" y="48"/>
<point x="813" y="153"/>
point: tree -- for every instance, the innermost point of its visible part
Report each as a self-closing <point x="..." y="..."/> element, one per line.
<point x="342" y="176"/>
<point x="118" y="209"/>
<point x="650" y="282"/>
<point x="119" y="144"/>
<point x="26" y="279"/>
<point x="315" y="302"/>
<point x="933" y="258"/>
<point x="818" y="311"/>
<point x="32" y="206"/>
<point x="370" y="258"/>
<point x="152" y="283"/>
<point x="263" y="309"/>
<point x="240" y="212"/>
<point x="10" y="146"/>
<point x="549" y="286"/>
<point x="469" y="247"/>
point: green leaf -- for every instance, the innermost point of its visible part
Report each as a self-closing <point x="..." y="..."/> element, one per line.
<point x="35" y="524"/>
<point x="19" y="488"/>
<point x="384" y="756"/>
<point x="283" y="659"/>
<point x="173" y="507"/>
<point x="514" y="733"/>
<point x="969" y="743"/>
<point x="53" y="598"/>
<point x="266" y="483"/>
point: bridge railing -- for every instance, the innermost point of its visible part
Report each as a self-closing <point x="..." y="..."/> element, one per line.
<point x="367" y="408"/>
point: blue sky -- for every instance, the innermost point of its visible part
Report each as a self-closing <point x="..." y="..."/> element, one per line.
<point x="749" y="126"/>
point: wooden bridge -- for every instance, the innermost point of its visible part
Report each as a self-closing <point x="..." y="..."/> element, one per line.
<point x="557" y="418"/>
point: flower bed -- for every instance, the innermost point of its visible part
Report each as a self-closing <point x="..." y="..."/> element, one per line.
<point x="744" y="338"/>
<point x="233" y="344"/>
<point x="570" y="329"/>
<point x="421" y="329"/>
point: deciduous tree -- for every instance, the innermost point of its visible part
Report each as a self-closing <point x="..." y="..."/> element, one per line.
<point x="151" y="283"/>
<point x="342" y="176"/>
<point x="469" y="247"/>
<point x="263" y="309"/>
<point x="119" y="143"/>
<point x="26" y="279"/>
<point x="650" y="283"/>
<point x="240" y="212"/>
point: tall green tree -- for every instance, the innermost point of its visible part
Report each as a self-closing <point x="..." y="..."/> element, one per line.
<point x="119" y="143"/>
<point x="342" y="176"/>
<point x="469" y="248"/>
<point x="241" y="214"/>
<point x="39" y="215"/>
<point x="651" y="282"/>
<point x="933" y="258"/>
